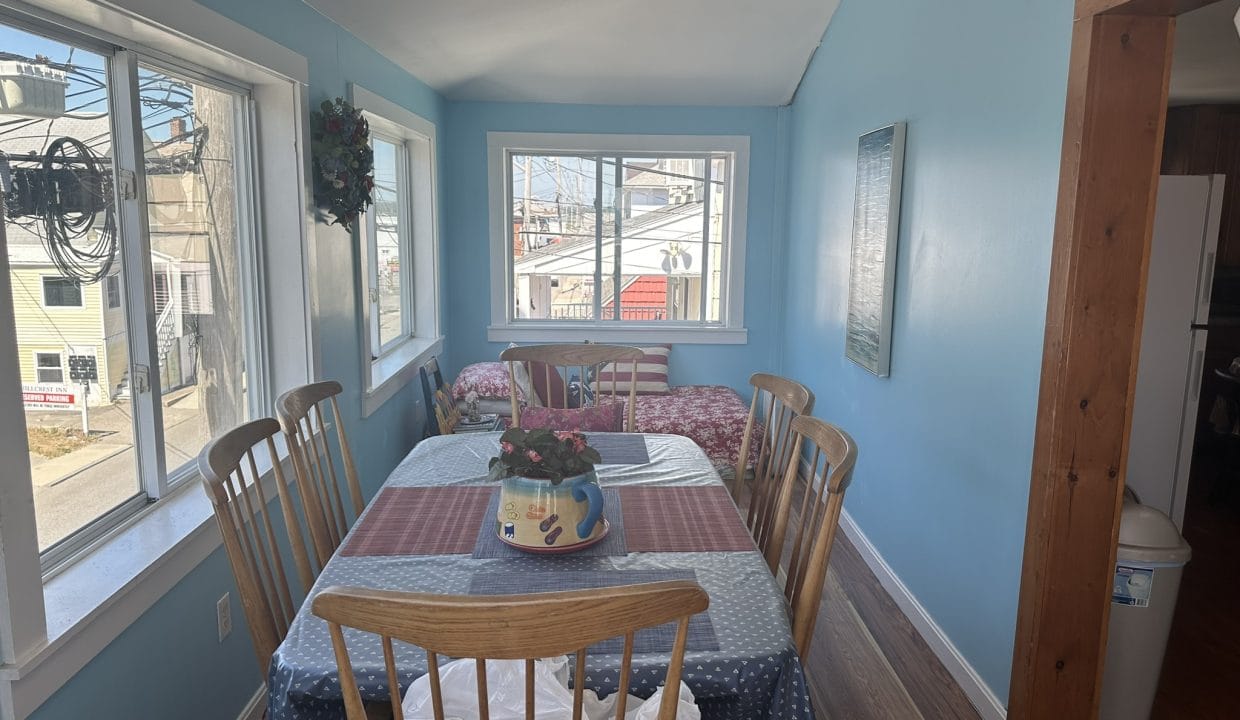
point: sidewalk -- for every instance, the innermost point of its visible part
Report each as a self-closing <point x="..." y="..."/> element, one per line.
<point x="78" y="487"/>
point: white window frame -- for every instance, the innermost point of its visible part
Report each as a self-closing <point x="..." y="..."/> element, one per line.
<point x="501" y="146"/>
<point x="43" y="294"/>
<point x="60" y="356"/>
<point x="156" y="480"/>
<point x="51" y="626"/>
<point x="388" y="368"/>
<point x="404" y="249"/>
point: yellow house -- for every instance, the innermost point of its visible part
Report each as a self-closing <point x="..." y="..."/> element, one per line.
<point x="58" y="317"/>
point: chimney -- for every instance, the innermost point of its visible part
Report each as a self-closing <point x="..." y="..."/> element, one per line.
<point x="176" y="127"/>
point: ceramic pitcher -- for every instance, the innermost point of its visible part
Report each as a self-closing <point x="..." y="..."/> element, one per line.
<point x="538" y="516"/>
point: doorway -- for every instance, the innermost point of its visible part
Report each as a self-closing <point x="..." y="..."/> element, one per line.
<point x="1202" y="138"/>
<point x="1113" y="137"/>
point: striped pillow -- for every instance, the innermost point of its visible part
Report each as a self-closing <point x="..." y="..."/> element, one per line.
<point x="651" y="374"/>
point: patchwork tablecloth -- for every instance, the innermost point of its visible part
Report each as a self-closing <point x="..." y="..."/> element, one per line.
<point x="754" y="673"/>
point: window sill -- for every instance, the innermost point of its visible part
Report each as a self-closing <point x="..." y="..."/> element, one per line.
<point x="396" y="369"/>
<point x="629" y="333"/>
<point x="92" y="601"/>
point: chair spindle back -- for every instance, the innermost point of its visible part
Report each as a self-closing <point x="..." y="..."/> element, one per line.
<point x="830" y="455"/>
<point x="509" y="627"/>
<point x="249" y="537"/>
<point x="301" y="417"/>
<point x="777" y="401"/>
<point x="552" y="363"/>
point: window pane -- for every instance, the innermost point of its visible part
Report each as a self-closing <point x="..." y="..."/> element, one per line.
<point x="192" y="210"/>
<point x="662" y="203"/>
<point x="62" y="292"/>
<point x="554" y="236"/>
<point x="389" y="187"/>
<point x="61" y="239"/>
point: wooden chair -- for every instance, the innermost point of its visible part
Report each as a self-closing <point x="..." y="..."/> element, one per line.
<point x="509" y="627"/>
<point x="821" y="497"/>
<point x="301" y="418"/>
<point x="552" y="364"/>
<point x="249" y="538"/>
<point x="777" y="401"/>
<point x="442" y="414"/>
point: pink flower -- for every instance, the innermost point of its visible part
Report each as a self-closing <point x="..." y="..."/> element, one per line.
<point x="533" y="455"/>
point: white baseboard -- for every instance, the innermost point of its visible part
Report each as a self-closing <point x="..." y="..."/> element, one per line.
<point x="254" y="708"/>
<point x="978" y="692"/>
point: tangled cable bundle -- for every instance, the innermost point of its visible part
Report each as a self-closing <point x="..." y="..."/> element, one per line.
<point x="78" y="189"/>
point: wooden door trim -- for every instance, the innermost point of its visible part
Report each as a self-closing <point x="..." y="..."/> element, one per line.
<point x="1113" y="133"/>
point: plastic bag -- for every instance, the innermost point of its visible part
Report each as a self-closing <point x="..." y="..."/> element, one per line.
<point x="553" y="700"/>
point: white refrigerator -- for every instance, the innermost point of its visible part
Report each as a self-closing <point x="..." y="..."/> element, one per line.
<point x="1173" y="340"/>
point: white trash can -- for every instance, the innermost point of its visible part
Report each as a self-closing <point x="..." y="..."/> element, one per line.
<point x="1148" y="566"/>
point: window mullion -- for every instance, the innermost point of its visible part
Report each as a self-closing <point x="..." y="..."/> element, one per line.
<point x="135" y="254"/>
<point x="404" y="189"/>
<point x="254" y="311"/>
<point x="598" y="237"/>
<point x="617" y="258"/>
<point x="705" y="262"/>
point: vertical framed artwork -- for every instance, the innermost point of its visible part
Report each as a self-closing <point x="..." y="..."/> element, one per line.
<point x="876" y="225"/>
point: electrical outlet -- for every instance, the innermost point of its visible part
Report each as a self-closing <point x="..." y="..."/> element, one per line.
<point x="223" y="616"/>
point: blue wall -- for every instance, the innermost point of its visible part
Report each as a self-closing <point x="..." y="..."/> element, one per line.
<point x="169" y="663"/>
<point x="467" y="281"/>
<point x="946" y="442"/>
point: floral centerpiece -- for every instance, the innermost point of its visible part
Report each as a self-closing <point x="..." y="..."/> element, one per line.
<point x="546" y="454"/>
<point x="550" y="500"/>
<point x="343" y="161"/>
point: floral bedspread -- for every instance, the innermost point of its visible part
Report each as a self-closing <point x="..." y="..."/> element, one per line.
<point x="488" y="379"/>
<point x="713" y="416"/>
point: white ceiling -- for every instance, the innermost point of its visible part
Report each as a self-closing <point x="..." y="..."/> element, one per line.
<point x="1206" y="67"/>
<point x="625" y="52"/>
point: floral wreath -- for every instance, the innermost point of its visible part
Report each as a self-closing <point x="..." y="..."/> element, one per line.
<point x="343" y="161"/>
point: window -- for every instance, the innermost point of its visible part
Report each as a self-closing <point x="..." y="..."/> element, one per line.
<point x="398" y="233"/>
<point x="114" y="291"/>
<point x="388" y="245"/>
<point x="62" y="292"/>
<point x="606" y="236"/>
<point x="48" y="368"/>
<point x="157" y="394"/>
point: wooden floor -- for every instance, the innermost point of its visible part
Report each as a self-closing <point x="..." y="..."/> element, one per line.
<point x="867" y="661"/>
<point x="1202" y="666"/>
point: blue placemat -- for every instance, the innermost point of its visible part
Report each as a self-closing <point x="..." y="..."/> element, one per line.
<point x="620" y="448"/>
<point x="648" y="640"/>
<point x="489" y="545"/>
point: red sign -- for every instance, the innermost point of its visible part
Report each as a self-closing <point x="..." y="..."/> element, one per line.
<point x="53" y="398"/>
<point x="48" y="396"/>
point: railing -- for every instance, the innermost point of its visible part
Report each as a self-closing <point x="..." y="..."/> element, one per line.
<point x="585" y="311"/>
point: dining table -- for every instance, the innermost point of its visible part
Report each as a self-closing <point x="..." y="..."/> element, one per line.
<point x="431" y="527"/>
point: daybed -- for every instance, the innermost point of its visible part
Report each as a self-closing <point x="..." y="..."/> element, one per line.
<point x="713" y="416"/>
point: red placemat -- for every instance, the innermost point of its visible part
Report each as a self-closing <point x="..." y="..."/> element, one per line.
<point x="682" y="519"/>
<point x="421" y="521"/>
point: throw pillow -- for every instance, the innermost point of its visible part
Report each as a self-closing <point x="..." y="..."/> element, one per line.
<point x="598" y="418"/>
<point x="652" y="371"/>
